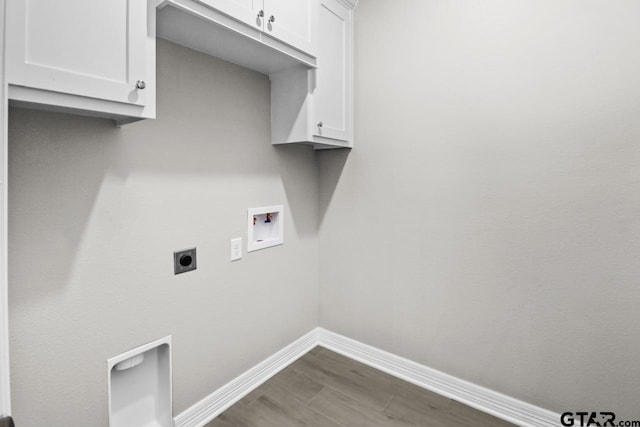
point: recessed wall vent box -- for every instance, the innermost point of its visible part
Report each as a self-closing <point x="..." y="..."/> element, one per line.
<point x="140" y="386"/>
<point x="265" y="227"/>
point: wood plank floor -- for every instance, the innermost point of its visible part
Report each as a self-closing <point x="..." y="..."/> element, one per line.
<point x="325" y="389"/>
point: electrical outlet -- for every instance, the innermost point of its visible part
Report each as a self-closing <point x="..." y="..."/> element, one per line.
<point x="236" y="249"/>
<point x="184" y="261"/>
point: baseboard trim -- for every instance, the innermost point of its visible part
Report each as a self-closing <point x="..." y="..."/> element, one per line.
<point x="483" y="399"/>
<point x="217" y="402"/>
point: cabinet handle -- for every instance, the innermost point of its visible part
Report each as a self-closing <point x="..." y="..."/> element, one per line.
<point x="272" y="18"/>
<point x="261" y="14"/>
<point x="319" y="124"/>
<point x="140" y="84"/>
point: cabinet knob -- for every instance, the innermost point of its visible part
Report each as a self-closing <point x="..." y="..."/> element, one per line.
<point x="319" y="124"/>
<point x="272" y="18"/>
<point x="261" y="14"/>
<point x="140" y="84"/>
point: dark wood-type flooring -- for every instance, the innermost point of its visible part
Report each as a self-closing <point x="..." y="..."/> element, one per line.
<point x="325" y="389"/>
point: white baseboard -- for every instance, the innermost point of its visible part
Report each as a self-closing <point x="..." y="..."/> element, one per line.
<point x="217" y="402"/>
<point x="483" y="399"/>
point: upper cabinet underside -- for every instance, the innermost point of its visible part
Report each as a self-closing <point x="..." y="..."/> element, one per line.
<point x="244" y="32"/>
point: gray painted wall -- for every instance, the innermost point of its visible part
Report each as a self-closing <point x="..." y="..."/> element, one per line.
<point x="487" y="224"/>
<point x="96" y="213"/>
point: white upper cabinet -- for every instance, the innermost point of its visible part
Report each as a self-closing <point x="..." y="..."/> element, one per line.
<point x="332" y="100"/>
<point x="292" y="22"/>
<point x="264" y="35"/>
<point x="79" y="52"/>
<point x="97" y="57"/>
<point x="316" y="106"/>
<point x="243" y="10"/>
<point x="288" y="21"/>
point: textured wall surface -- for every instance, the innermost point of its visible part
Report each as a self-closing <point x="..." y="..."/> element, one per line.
<point x="487" y="224"/>
<point x="96" y="213"/>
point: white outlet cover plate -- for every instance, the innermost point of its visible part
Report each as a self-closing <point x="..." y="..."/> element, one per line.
<point x="236" y="249"/>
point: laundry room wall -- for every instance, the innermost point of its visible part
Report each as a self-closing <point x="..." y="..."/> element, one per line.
<point x="95" y="213"/>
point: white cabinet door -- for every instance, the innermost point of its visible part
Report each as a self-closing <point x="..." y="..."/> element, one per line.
<point x="332" y="95"/>
<point x="292" y="22"/>
<point x="316" y="106"/>
<point x="246" y="11"/>
<point x="91" y="48"/>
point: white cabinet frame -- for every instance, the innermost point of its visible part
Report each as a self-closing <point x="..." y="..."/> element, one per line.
<point x="298" y="103"/>
<point x="22" y="70"/>
<point x="5" y="395"/>
<point x="49" y="87"/>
